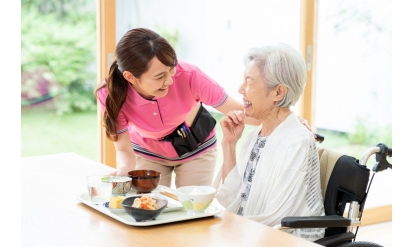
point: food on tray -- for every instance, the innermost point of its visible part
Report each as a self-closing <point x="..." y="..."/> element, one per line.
<point x="115" y="201"/>
<point x="145" y="202"/>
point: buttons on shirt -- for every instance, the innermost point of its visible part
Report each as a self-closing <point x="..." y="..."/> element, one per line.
<point x="155" y="113"/>
<point x="152" y="102"/>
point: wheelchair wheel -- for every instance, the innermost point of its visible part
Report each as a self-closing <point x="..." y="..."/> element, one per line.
<point x="360" y="244"/>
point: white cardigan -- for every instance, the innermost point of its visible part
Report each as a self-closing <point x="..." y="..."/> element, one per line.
<point x="286" y="180"/>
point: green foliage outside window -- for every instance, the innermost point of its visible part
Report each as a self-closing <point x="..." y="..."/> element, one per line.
<point x="368" y="133"/>
<point x="58" y="45"/>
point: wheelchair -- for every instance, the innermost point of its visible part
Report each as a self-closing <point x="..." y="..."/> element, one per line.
<point x="344" y="180"/>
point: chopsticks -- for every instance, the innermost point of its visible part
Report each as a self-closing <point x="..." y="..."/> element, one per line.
<point x="171" y="195"/>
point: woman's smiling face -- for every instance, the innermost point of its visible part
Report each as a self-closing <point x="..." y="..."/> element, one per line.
<point x="258" y="103"/>
<point x="155" y="81"/>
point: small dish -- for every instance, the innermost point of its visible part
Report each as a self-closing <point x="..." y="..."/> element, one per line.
<point x="172" y="207"/>
<point x="140" y="214"/>
<point x="114" y="210"/>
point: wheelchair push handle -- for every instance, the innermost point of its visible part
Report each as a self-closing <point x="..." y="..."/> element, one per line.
<point x="382" y="151"/>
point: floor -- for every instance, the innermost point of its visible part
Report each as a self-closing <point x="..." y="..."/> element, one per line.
<point x="378" y="233"/>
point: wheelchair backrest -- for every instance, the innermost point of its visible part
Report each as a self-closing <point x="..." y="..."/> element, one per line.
<point x="342" y="180"/>
<point x="327" y="159"/>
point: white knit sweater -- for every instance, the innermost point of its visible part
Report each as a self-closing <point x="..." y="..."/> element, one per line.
<point x="286" y="180"/>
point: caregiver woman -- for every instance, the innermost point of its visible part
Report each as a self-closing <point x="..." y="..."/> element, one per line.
<point x="277" y="173"/>
<point x="152" y="107"/>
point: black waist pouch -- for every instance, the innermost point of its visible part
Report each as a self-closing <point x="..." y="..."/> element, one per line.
<point x="183" y="142"/>
<point x="202" y="125"/>
<point x="186" y="139"/>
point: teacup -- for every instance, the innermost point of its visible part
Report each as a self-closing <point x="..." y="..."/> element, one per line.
<point x="121" y="185"/>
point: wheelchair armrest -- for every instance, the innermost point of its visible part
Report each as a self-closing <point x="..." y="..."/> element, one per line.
<point x="316" y="221"/>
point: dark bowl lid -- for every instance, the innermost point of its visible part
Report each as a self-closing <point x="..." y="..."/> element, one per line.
<point x="144" y="174"/>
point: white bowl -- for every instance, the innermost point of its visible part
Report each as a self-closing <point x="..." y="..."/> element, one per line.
<point x="196" y="198"/>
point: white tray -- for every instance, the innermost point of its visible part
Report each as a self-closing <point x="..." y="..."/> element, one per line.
<point x="172" y="214"/>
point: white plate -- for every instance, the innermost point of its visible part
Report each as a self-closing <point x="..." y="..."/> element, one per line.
<point x="174" y="214"/>
<point x="113" y="210"/>
<point x="173" y="206"/>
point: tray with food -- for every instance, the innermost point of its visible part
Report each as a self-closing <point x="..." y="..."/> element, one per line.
<point x="158" y="207"/>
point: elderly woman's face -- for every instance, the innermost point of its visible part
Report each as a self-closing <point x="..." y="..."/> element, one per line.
<point x="257" y="102"/>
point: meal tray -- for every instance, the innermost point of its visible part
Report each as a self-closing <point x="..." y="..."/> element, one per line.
<point x="172" y="214"/>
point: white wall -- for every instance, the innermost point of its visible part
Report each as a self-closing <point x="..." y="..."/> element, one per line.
<point x="354" y="75"/>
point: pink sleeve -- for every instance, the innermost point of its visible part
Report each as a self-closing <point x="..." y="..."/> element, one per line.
<point x="122" y="123"/>
<point x="206" y="89"/>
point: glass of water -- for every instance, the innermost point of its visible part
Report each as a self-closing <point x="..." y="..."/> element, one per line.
<point x="99" y="188"/>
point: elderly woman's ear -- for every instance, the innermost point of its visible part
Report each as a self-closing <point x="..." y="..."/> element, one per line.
<point x="279" y="92"/>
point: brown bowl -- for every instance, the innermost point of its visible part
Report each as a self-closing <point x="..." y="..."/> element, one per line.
<point x="144" y="181"/>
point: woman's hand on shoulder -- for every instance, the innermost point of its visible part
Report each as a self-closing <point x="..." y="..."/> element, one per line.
<point x="306" y="124"/>
<point x="233" y="125"/>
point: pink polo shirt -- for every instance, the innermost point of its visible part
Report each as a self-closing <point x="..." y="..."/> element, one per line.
<point x="149" y="120"/>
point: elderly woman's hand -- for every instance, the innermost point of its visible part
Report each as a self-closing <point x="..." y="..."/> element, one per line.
<point x="232" y="126"/>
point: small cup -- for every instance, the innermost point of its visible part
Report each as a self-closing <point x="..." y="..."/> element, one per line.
<point x="121" y="185"/>
<point x="99" y="188"/>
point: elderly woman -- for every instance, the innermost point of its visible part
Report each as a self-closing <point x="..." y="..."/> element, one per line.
<point x="277" y="171"/>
